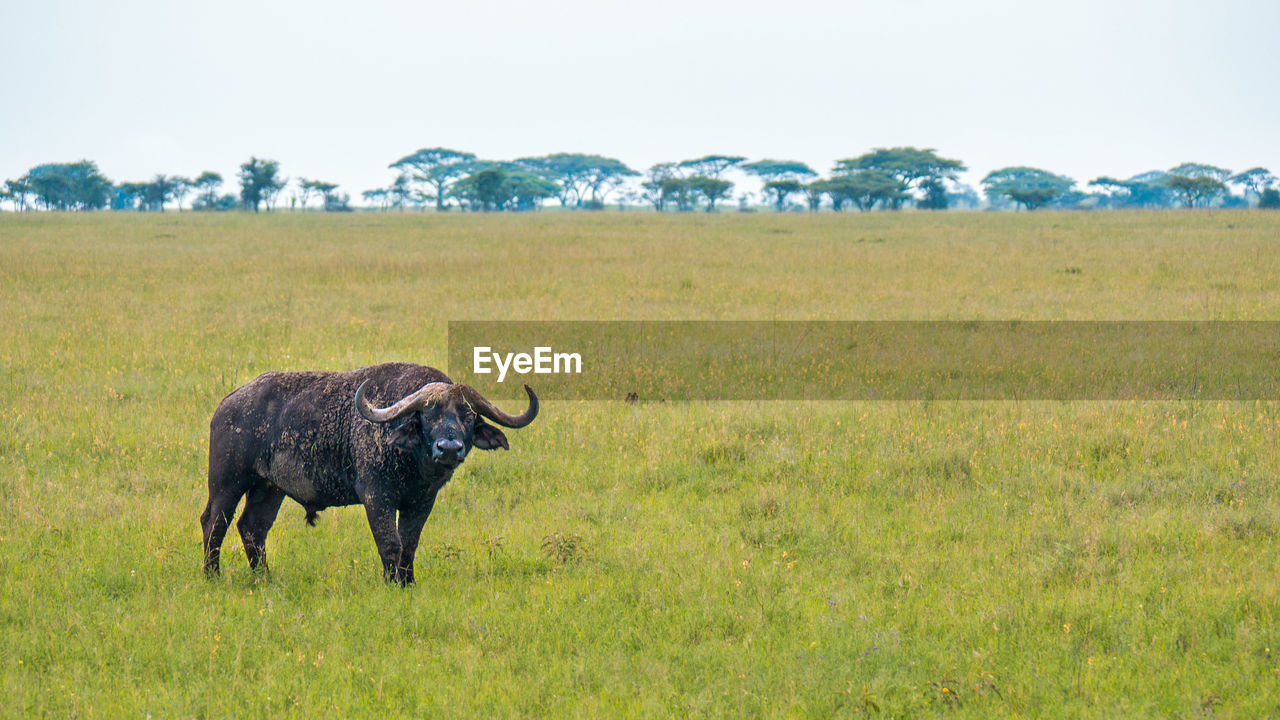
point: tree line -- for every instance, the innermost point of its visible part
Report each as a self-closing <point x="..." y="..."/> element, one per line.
<point x="81" y="186"/>
<point x="882" y="179"/>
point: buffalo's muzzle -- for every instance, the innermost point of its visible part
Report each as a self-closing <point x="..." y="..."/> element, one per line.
<point x="448" y="451"/>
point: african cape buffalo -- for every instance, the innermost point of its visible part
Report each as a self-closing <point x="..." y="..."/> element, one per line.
<point x="386" y="436"/>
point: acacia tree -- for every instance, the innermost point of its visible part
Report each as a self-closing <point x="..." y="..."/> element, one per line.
<point x="378" y="195"/>
<point x="712" y="166"/>
<point x="782" y="178"/>
<point x="159" y="191"/>
<point x="651" y="190"/>
<point x="328" y="196"/>
<point x="503" y="186"/>
<point x="678" y="190"/>
<point x="181" y="188"/>
<point x="602" y="176"/>
<point x="1197" y="182"/>
<point x="1196" y="170"/>
<point x="260" y="182"/>
<point x="1253" y="180"/>
<point x="827" y="187"/>
<point x="304" y="189"/>
<point x="1143" y="190"/>
<point x="324" y="189"/>
<point x="577" y="174"/>
<point x="1029" y="187"/>
<point x="934" y="195"/>
<point x="781" y="190"/>
<point x="68" y="186"/>
<point x="912" y="167"/>
<point x="400" y="191"/>
<point x="482" y="190"/>
<point x="1195" y="189"/>
<point x="864" y="189"/>
<point x="206" y="186"/>
<point x="780" y="170"/>
<point x="711" y="189"/>
<point x="438" y="168"/>
<point x="812" y="196"/>
<point x="557" y="170"/>
<point x="17" y="191"/>
<point x="876" y="186"/>
<point x="128" y="196"/>
<point x="666" y="186"/>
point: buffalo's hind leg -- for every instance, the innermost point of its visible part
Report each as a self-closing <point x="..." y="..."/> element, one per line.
<point x="260" y="509"/>
<point x="214" y="522"/>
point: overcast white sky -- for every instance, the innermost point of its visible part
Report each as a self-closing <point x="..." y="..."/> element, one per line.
<point x="337" y="90"/>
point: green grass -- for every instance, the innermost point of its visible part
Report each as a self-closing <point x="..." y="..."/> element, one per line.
<point x="654" y="560"/>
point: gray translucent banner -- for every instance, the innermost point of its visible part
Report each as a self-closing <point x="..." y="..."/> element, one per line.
<point x="869" y="360"/>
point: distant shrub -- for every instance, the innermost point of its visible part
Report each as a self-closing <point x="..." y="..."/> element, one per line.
<point x="766" y="508"/>
<point x="935" y="196"/>
<point x="723" y="453"/>
<point x="1270" y="199"/>
<point x="445" y="551"/>
<point x="225" y="202"/>
<point x="563" y="547"/>
<point x="947" y="465"/>
<point x="337" y="202"/>
<point x="1252" y="527"/>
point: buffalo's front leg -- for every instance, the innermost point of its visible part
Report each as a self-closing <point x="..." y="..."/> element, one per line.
<point x="382" y="521"/>
<point x="411" y="521"/>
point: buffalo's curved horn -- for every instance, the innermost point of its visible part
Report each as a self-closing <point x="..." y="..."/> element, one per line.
<point x="409" y="403"/>
<point x="486" y="408"/>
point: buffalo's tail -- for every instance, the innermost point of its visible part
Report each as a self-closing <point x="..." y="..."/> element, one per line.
<point x="312" y="516"/>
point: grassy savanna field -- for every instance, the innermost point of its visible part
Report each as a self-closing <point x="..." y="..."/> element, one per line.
<point x="737" y="559"/>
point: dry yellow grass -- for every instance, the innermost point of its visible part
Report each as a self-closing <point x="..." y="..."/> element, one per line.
<point x="733" y="559"/>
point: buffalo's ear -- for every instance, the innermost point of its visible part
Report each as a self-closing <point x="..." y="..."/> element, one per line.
<point x="488" y="437"/>
<point x="407" y="434"/>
